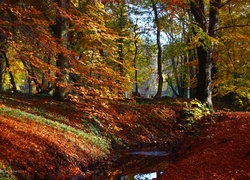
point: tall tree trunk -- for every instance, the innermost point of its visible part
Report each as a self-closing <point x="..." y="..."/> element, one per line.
<point x="136" y="71"/>
<point x="2" y="61"/>
<point x="204" y="52"/>
<point x="62" y="61"/>
<point x="192" y="72"/>
<point x="121" y="56"/>
<point x="122" y="23"/>
<point x="136" y="93"/>
<point x="1" y="72"/>
<point x="159" y="55"/>
<point x="213" y="23"/>
<point x="12" y="80"/>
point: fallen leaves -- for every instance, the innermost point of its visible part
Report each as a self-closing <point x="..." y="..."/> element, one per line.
<point x="223" y="156"/>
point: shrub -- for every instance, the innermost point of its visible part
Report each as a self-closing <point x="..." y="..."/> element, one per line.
<point x="194" y="112"/>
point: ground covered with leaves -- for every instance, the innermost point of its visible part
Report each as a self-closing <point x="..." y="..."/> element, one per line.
<point x="41" y="138"/>
<point x="221" y="152"/>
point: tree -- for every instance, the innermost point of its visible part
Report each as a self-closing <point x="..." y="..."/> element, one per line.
<point x="61" y="32"/>
<point x="205" y="48"/>
<point x="129" y="44"/>
<point x="232" y="79"/>
<point x="95" y="46"/>
<point x="2" y="64"/>
<point x="159" y="53"/>
<point x="4" y="61"/>
<point x="177" y="53"/>
<point x="67" y="48"/>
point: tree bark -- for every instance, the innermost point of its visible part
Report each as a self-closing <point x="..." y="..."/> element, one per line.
<point x="2" y="47"/>
<point x="1" y="72"/>
<point x="159" y="55"/>
<point x="61" y="33"/>
<point x="121" y="25"/>
<point x="204" y="51"/>
<point x="12" y="80"/>
<point x="135" y="67"/>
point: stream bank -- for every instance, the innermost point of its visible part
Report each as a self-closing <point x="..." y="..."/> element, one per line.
<point x="144" y="163"/>
<point x="59" y="140"/>
<point x="141" y="140"/>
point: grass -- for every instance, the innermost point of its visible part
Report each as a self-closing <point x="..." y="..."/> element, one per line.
<point x="163" y="100"/>
<point x="93" y="138"/>
<point x="6" y="172"/>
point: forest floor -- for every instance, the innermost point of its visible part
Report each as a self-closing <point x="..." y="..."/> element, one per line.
<point x="42" y="138"/>
<point x="222" y="152"/>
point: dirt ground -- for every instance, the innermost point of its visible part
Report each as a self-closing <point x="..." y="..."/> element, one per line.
<point x="222" y="152"/>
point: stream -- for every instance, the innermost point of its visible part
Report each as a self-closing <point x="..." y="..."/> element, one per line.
<point x="144" y="164"/>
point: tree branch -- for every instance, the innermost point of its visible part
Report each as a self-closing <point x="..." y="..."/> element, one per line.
<point x="225" y="3"/>
<point x="232" y="26"/>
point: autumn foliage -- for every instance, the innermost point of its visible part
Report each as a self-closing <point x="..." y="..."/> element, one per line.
<point x="73" y="74"/>
<point x="221" y="152"/>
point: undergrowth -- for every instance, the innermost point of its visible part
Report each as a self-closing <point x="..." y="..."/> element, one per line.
<point x="6" y="172"/>
<point x="196" y="115"/>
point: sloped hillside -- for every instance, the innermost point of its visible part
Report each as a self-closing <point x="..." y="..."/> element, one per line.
<point x="42" y="138"/>
<point x="222" y="152"/>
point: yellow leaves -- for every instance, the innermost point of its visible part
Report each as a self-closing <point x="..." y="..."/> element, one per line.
<point x="75" y="2"/>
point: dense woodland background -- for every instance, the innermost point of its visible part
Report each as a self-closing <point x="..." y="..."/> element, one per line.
<point x="111" y="49"/>
<point x="83" y="81"/>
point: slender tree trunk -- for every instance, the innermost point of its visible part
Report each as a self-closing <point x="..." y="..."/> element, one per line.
<point x="192" y="72"/>
<point x="135" y="64"/>
<point x="136" y="71"/>
<point x="61" y="32"/>
<point x="121" y="56"/>
<point x="1" y="72"/>
<point x="121" y="40"/>
<point x="2" y="61"/>
<point x="159" y="55"/>
<point x="170" y="83"/>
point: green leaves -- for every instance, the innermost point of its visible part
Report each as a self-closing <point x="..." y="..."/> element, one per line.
<point x="194" y="112"/>
<point x="6" y="172"/>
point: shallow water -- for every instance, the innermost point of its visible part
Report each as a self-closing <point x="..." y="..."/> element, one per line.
<point x="150" y="153"/>
<point x="137" y="165"/>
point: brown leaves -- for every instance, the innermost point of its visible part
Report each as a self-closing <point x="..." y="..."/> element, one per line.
<point x="218" y="154"/>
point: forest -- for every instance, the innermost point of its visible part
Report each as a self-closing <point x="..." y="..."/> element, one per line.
<point x="81" y="80"/>
<point x="116" y="49"/>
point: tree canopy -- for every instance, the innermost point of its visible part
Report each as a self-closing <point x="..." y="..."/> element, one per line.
<point x="107" y="48"/>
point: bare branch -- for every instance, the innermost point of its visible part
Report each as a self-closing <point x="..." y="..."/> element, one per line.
<point x="225" y="3"/>
<point x="232" y="26"/>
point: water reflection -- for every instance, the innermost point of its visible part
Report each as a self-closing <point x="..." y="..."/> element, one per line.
<point x="137" y="165"/>
<point x="150" y="153"/>
<point x="148" y="176"/>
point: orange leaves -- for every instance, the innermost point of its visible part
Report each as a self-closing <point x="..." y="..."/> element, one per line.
<point x="180" y="3"/>
<point x="33" y="35"/>
<point x="216" y="154"/>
